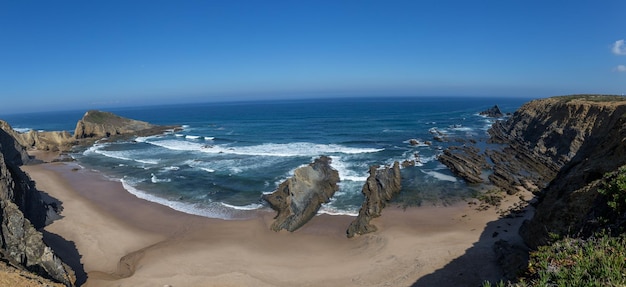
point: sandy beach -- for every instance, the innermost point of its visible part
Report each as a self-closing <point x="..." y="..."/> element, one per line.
<point x="117" y="239"/>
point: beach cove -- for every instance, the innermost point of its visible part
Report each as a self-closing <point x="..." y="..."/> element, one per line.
<point x="121" y="240"/>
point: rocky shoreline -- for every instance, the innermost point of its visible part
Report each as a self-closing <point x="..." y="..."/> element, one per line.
<point x="24" y="211"/>
<point x="560" y="149"/>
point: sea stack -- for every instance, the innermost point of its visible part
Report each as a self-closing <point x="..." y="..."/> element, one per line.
<point x="299" y="198"/>
<point x="380" y="187"/>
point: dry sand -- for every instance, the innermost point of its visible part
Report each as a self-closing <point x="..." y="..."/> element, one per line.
<point x="122" y="240"/>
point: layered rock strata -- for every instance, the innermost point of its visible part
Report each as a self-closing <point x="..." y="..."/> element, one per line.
<point x="22" y="211"/>
<point x="561" y="148"/>
<point x="380" y="187"/>
<point x="299" y="198"/>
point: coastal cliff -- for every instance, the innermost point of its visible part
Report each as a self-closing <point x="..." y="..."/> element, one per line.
<point x="568" y="151"/>
<point x="22" y="212"/>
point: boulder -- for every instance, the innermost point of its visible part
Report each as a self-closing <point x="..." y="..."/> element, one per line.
<point x="299" y="198"/>
<point x="381" y="185"/>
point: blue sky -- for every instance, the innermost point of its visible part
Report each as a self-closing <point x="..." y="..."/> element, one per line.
<point x="87" y="54"/>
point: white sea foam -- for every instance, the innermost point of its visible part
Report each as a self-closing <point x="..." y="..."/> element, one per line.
<point x="327" y="208"/>
<point x="268" y="149"/>
<point x="345" y="173"/>
<point x="192" y="137"/>
<point x="252" y="206"/>
<point x="216" y="210"/>
<point x="207" y="169"/>
<point x="22" y="130"/>
<point x="209" y="138"/>
<point x="440" y="176"/>
<point x="170" y="168"/>
<point x="122" y="155"/>
<point x="155" y="179"/>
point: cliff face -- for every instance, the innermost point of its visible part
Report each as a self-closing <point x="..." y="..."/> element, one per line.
<point x="558" y="148"/>
<point x="22" y="211"/>
<point x="593" y="144"/>
<point x="566" y="144"/>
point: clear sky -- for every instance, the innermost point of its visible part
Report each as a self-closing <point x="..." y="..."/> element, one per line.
<point x="58" y="55"/>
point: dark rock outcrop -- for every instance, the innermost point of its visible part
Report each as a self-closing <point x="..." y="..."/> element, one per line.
<point x="22" y="211"/>
<point x="493" y="112"/>
<point x="381" y="185"/>
<point x="466" y="162"/>
<point x="560" y="148"/>
<point x="299" y="198"/>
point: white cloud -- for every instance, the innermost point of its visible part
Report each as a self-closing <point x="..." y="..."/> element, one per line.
<point x="619" y="47"/>
<point x="620" y="68"/>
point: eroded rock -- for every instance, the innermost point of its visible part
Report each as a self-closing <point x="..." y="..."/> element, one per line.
<point x="299" y="198"/>
<point x="381" y="185"/>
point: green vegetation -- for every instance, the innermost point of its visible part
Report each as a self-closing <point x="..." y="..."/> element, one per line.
<point x="99" y="117"/>
<point x="597" y="261"/>
<point x="592" y="98"/>
<point x="615" y="190"/>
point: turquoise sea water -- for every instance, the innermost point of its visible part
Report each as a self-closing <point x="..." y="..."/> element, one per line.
<point x="229" y="154"/>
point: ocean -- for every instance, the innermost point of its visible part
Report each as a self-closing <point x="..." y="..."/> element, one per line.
<point x="229" y="154"/>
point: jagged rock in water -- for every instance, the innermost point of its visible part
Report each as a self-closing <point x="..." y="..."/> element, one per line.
<point x="299" y="198"/>
<point x="22" y="210"/>
<point x="380" y="187"/>
<point x="98" y="124"/>
<point x="493" y="112"/>
<point x="465" y="162"/>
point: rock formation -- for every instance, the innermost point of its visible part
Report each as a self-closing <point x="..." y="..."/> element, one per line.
<point x="465" y="162"/>
<point x="560" y="148"/>
<point x="299" y="198"/>
<point x="381" y="185"/>
<point x="22" y="211"/>
<point x="46" y="141"/>
<point x="98" y="124"/>
<point x="493" y="112"/>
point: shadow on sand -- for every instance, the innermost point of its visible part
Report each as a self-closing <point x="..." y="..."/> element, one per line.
<point x="480" y="262"/>
<point x="66" y="250"/>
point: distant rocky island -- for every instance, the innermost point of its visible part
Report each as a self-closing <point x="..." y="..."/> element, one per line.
<point x="565" y="150"/>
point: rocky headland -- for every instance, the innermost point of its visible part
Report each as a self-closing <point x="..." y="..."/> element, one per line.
<point x="563" y="149"/>
<point x="99" y="124"/>
<point x="25" y="258"/>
